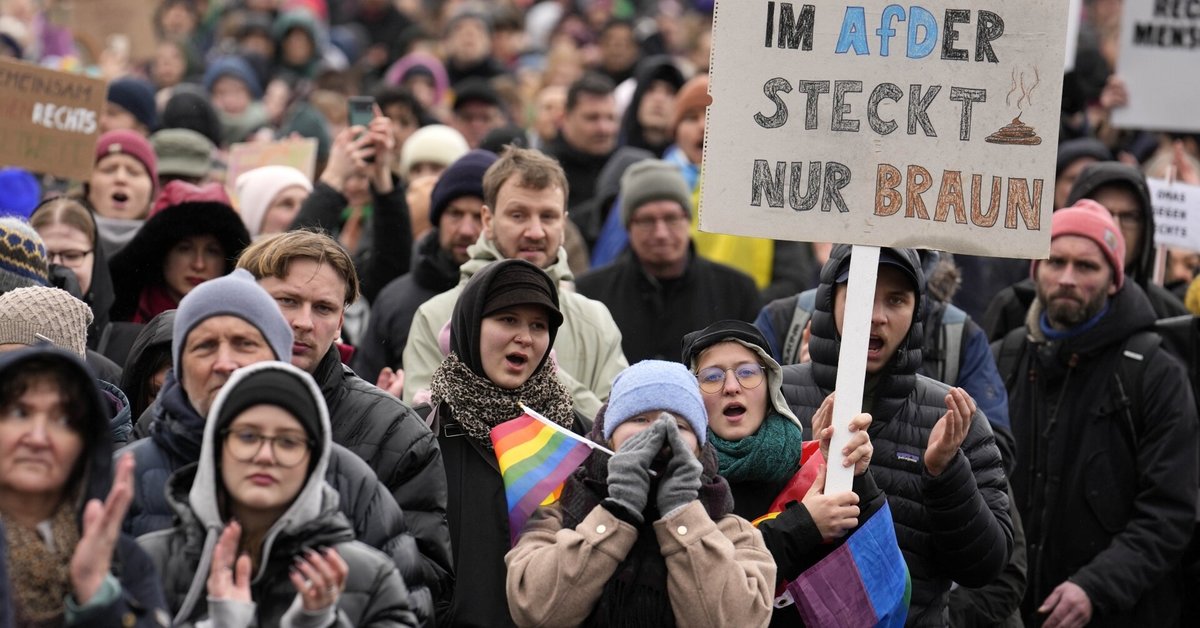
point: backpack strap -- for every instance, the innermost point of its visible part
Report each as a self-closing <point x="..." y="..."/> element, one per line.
<point x="953" y="332"/>
<point x="1008" y="354"/>
<point x="1136" y="353"/>
<point x="806" y="303"/>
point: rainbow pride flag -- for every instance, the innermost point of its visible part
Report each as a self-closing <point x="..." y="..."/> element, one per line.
<point x="865" y="582"/>
<point x="535" y="457"/>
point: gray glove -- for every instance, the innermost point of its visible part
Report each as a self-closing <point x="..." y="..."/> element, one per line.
<point x="629" y="469"/>
<point x="680" y="484"/>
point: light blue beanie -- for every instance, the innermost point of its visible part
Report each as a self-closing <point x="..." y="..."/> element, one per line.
<point x="235" y="294"/>
<point x="656" y="385"/>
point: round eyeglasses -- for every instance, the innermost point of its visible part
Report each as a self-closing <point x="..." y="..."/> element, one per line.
<point x="244" y="445"/>
<point x="712" y="379"/>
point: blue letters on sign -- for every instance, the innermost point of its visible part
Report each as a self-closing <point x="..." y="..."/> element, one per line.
<point x="854" y="32"/>
<point x="893" y="12"/>
<point x="918" y="18"/>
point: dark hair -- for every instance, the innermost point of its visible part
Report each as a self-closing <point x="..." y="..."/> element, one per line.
<point x="73" y="393"/>
<point x="592" y="84"/>
<point x="388" y="95"/>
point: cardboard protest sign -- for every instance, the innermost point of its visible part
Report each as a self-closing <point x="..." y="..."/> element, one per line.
<point x="300" y="154"/>
<point x="1074" y="17"/>
<point x="49" y="121"/>
<point x="96" y="22"/>
<point x="1176" y="214"/>
<point x="926" y="125"/>
<point x="1160" y="51"/>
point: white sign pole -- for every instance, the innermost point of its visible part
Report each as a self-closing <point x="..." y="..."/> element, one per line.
<point x="852" y="361"/>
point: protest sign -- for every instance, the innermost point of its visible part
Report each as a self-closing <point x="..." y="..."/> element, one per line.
<point x="299" y="153"/>
<point x="1074" y="17"/>
<point x="925" y="125"/>
<point x="1176" y="214"/>
<point x="49" y="121"/>
<point x="96" y="24"/>
<point x="1160" y="51"/>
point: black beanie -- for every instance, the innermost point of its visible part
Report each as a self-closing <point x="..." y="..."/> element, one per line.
<point x="499" y="285"/>
<point x="275" y="387"/>
<point x="462" y="178"/>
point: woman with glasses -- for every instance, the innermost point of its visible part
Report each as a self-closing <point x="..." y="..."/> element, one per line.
<point x="69" y="231"/>
<point x="259" y="539"/>
<point x="759" y="444"/>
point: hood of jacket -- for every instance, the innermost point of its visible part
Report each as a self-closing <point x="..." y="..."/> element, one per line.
<point x="120" y="415"/>
<point x="93" y="477"/>
<point x="484" y="252"/>
<point x="898" y="378"/>
<point x="1103" y="174"/>
<point x="748" y="336"/>
<point x="651" y="69"/>
<point x="153" y="340"/>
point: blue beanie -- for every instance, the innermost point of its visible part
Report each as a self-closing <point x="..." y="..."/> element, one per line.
<point x="137" y="97"/>
<point x="464" y="177"/>
<point x="656" y="385"/>
<point x="19" y="193"/>
<point x="236" y="67"/>
<point x="235" y="294"/>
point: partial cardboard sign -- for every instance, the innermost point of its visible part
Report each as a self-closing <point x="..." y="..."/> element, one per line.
<point x="926" y="125"/>
<point x="113" y="24"/>
<point x="49" y="120"/>
<point x="1160" y="52"/>
<point x="299" y="153"/>
<point x="1176" y="214"/>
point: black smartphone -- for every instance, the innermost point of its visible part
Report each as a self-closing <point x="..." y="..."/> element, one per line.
<point x="362" y="111"/>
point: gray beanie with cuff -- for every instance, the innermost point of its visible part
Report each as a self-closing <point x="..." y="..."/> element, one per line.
<point x="652" y="180"/>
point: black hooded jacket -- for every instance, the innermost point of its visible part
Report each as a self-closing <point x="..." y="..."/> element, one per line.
<point x="950" y="527"/>
<point x="151" y="349"/>
<point x="1007" y="310"/>
<point x="651" y="69"/>
<point x="1107" y="496"/>
<point x="141" y="600"/>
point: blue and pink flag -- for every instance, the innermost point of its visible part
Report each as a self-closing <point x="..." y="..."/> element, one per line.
<point x="865" y="582"/>
<point x="535" y="458"/>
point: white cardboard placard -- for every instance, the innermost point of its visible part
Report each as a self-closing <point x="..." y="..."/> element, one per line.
<point x="1160" y="53"/>
<point x="928" y="125"/>
<point x="1176" y="214"/>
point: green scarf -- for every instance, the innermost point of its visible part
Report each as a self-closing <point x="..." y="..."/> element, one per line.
<point x="772" y="454"/>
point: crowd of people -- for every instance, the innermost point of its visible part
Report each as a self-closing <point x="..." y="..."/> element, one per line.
<point x="266" y="399"/>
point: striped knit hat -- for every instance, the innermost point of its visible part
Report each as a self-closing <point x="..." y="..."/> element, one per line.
<point x="22" y="256"/>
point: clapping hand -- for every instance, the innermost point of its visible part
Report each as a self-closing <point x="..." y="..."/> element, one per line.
<point x="92" y="560"/>
<point x="950" y="431"/>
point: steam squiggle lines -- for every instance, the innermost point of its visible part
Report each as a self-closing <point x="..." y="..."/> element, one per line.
<point x="1008" y="96"/>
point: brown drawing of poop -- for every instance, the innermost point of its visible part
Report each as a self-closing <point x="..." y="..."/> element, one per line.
<point x="1016" y="133"/>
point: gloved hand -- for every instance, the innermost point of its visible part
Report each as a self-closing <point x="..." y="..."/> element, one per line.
<point x="680" y="483"/>
<point x="629" y="469"/>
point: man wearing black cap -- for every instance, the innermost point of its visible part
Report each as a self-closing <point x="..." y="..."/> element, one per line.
<point x="935" y="454"/>
<point x="477" y="110"/>
<point x="454" y="210"/>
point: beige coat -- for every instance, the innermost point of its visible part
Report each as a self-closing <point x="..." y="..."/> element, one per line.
<point x="718" y="573"/>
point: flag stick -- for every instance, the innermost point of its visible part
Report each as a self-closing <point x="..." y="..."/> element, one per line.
<point x="852" y="361"/>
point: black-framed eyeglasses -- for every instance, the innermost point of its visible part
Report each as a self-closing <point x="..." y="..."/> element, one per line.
<point x="244" y="445"/>
<point x="69" y="257"/>
<point x="712" y="379"/>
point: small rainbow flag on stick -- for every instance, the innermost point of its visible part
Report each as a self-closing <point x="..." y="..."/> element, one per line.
<point x="535" y="457"/>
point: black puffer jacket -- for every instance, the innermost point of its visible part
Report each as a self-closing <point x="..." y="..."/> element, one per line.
<point x="952" y="527"/>
<point x="404" y="455"/>
<point x="373" y="593"/>
<point x="434" y="272"/>
<point x="176" y="433"/>
<point x="1107" y="498"/>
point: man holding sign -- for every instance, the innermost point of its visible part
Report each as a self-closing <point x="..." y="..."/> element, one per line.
<point x="935" y="455"/>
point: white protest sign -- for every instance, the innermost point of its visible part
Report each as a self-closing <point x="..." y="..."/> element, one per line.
<point x="1160" y="52"/>
<point x="926" y="125"/>
<point x="852" y="362"/>
<point x="1176" y="214"/>
<point x="1074" y="15"/>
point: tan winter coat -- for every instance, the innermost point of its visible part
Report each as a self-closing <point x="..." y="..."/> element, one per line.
<point x="587" y="348"/>
<point x="718" y="573"/>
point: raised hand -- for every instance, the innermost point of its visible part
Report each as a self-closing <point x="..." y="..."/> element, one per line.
<point x="834" y="515"/>
<point x="950" y="431"/>
<point x="380" y="133"/>
<point x="229" y="574"/>
<point x="391" y="381"/>
<point x="858" y="450"/>
<point x="319" y="578"/>
<point x="681" y="480"/>
<point x="92" y="559"/>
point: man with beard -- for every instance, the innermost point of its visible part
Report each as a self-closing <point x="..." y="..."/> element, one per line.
<point x="1105" y="430"/>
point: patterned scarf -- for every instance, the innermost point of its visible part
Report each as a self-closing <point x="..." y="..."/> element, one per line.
<point x="772" y="454"/>
<point x="479" y="405"/>
<point x="41" y="577"/>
